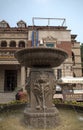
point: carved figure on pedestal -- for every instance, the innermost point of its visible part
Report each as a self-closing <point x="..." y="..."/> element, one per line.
<point x="41" y="90"/>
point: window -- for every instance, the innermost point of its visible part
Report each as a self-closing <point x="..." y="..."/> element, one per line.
<point x="21" y="24"/>
<point x="73" y="58"/>
<point x="49" y="41"/>
<point x="3" y="44"/>
<point x="21" y="44"/>
<point x="59" y="73"/>
<point x="4" y="24"/>
<point x="12" y="44"/>
<point x="50" y="44"/>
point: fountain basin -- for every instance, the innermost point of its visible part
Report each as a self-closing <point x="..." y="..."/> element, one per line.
<point x="41" y="57"/>
<point x="69" y="120"/>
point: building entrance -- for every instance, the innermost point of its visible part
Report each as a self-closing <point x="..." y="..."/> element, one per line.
<point x="10" y="80"/>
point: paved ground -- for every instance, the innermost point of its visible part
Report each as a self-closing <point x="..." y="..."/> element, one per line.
<point x="7" y="97"/>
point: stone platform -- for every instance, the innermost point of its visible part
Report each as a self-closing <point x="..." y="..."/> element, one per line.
<point x="7" y="97"/>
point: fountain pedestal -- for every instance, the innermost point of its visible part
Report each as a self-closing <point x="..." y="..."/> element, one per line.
<point x="42" y="87"/>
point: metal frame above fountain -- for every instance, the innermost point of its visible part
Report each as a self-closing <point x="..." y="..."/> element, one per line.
<point x="41" y="86"/>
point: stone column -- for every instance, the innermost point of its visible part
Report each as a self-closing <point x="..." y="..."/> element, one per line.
<point x="23" y="77"/>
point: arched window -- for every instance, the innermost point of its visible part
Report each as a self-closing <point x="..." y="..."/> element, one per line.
<point x="3" y="44"/>
<point x="12" y="44"/>
<point x="21" y="44"/>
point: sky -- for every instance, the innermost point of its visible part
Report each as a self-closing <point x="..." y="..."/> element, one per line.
<point x="13" y="11"/>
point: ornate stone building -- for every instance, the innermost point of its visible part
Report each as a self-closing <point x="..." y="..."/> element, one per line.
<point x="12" y="74"/>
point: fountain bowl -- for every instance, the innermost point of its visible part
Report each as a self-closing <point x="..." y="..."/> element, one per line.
<point x="41" y="57"/>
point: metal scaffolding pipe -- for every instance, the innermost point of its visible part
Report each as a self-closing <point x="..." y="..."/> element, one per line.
<point x="49" y="19"/>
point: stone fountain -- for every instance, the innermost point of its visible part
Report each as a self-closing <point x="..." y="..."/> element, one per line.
<point x="41" y="85"/>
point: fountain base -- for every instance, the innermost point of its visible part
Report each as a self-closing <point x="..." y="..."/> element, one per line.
<point x="47" y="118"/>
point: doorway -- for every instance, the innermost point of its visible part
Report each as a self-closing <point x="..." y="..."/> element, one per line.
<point x="10" y="80"/>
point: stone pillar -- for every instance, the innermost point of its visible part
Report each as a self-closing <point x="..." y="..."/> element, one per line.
<point x="28" y="71"/>
<point x="8" y="44"/>
<point x="23" y="77"/>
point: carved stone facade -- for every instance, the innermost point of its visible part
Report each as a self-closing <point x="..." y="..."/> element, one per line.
<point x="12" y="74"/>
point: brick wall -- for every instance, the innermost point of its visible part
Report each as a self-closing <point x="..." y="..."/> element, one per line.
<point x="65" y="45"/>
